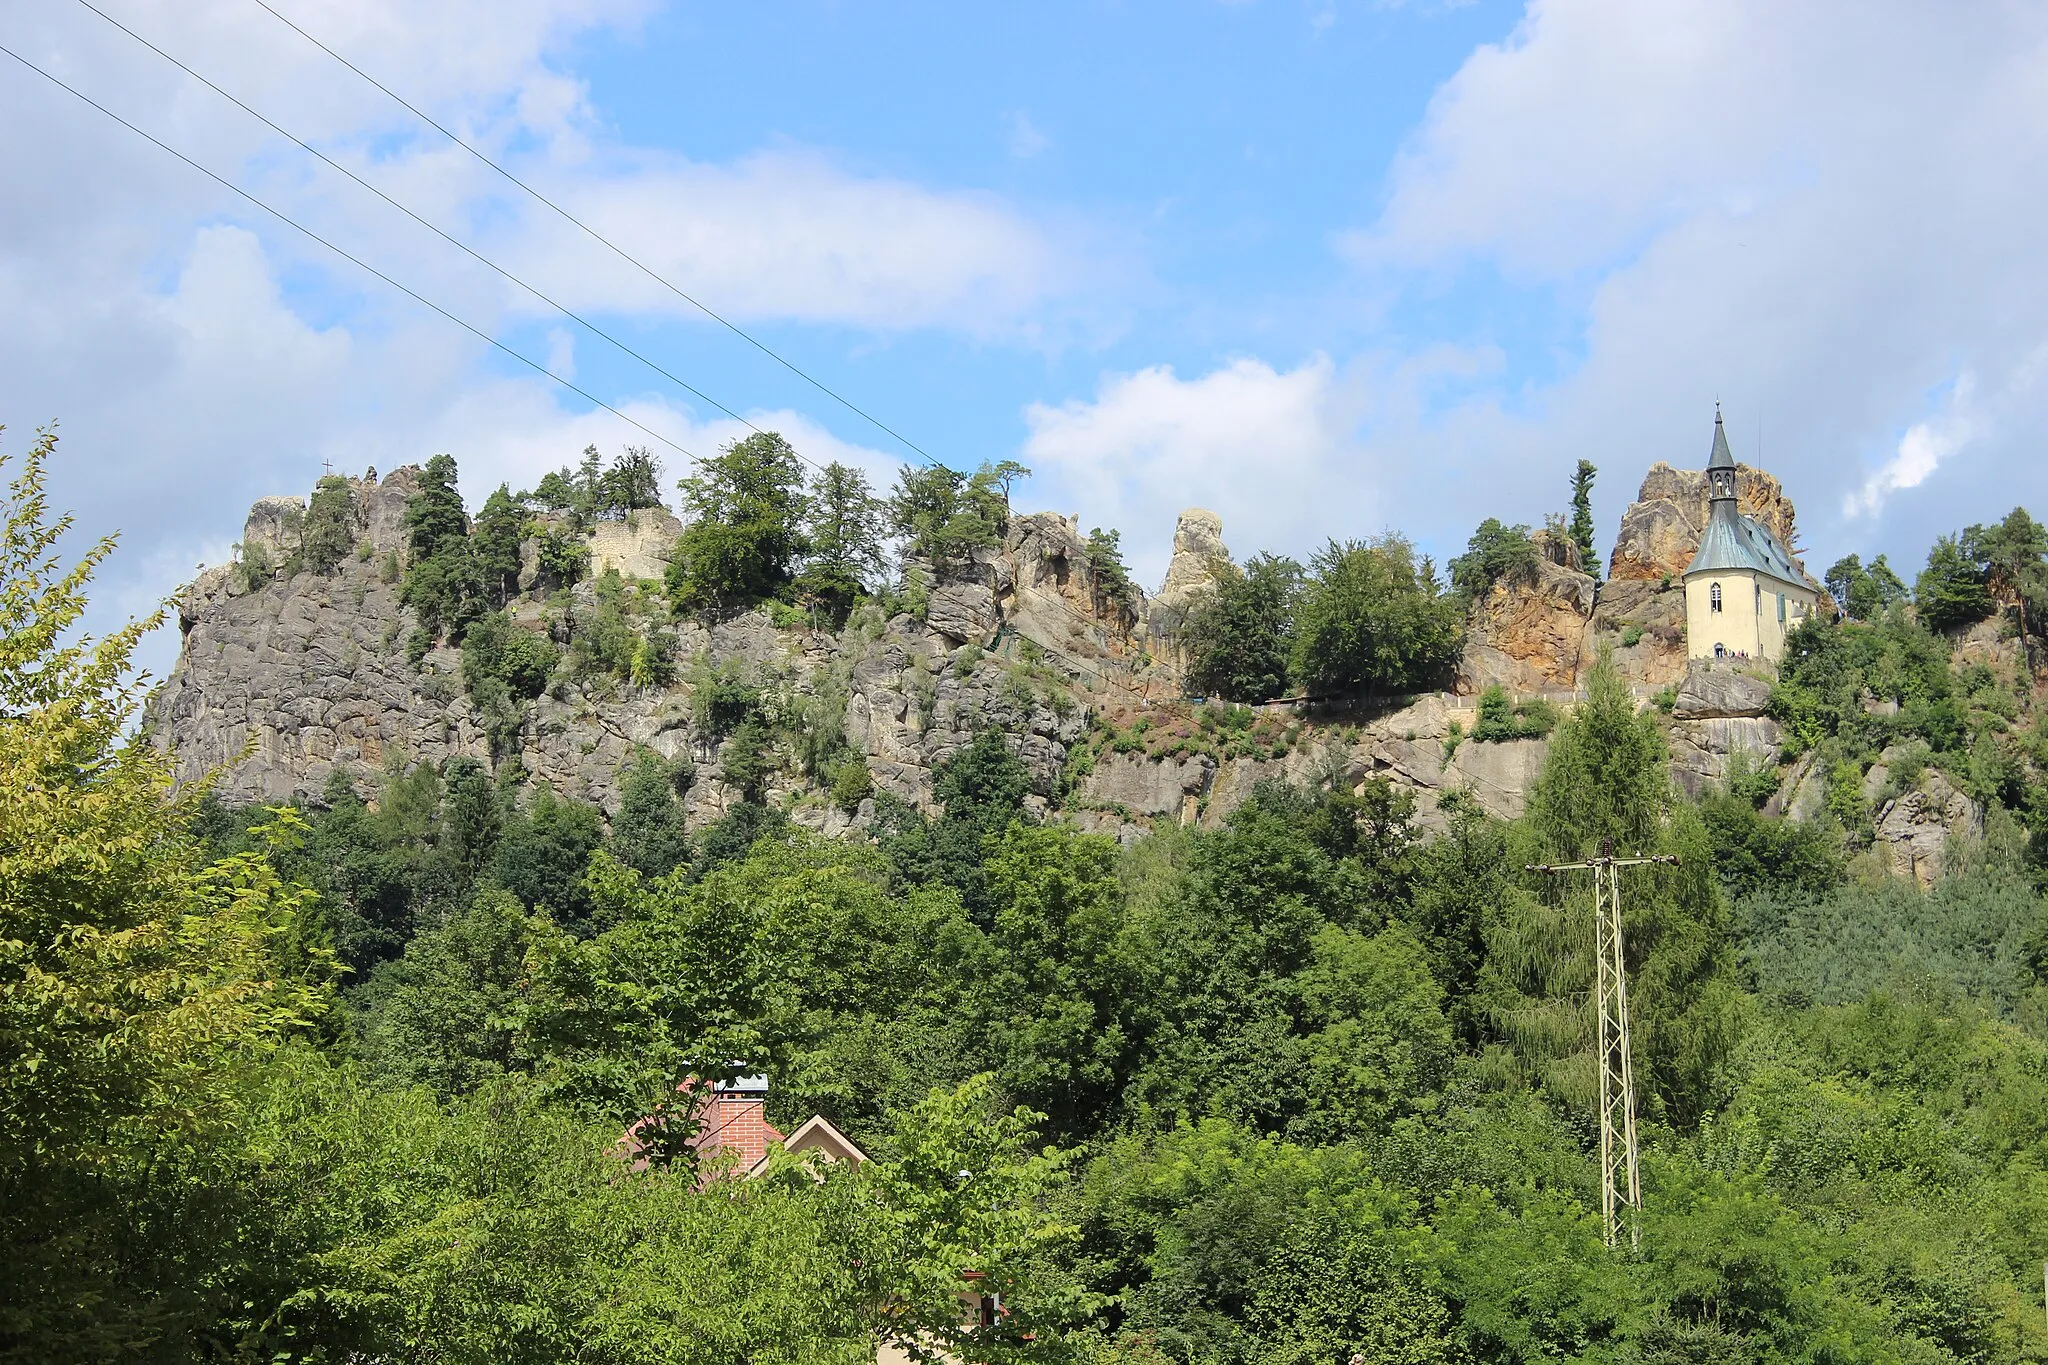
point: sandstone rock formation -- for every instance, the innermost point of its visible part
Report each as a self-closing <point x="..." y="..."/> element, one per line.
<point x="1532" y="633"/>
<point x="1661" y="529"/>
<point x="1914" y="829"/>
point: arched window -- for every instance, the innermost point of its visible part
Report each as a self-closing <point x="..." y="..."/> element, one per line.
<point x="1714" y="597"/>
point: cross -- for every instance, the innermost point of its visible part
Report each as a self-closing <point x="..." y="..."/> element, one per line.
<point x="328" y="465"/>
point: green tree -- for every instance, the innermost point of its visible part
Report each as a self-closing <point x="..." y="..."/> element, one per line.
<point x="2014" y="557"/>
<point x="1495" y="552"/>
<point x="844" y="534"/>
<point x="1112" y="579"/>
<point x="746" y="509"/>
<point x="1951" y="590"/>
<point x="1053" y="1003"/>
<point x="633" y="482"/>
<point x="1582" y="530"/>
<point x="1240" y="638"/>
<point x="434" y="516"/>
<point x="542" y="855"/>
<point x="944" y="516"/>
<point x="647" y="834"/>
<point x="329" y="534"/>
<point x="447" y="1013"/>
<point x="138" y="978"/>
<point x="1368" y="620"/>
<point x="500" y="528"/>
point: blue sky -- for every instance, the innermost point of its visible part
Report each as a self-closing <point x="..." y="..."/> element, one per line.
<point x="1327" y="269"/>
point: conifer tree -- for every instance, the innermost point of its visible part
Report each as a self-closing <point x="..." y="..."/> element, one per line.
<point x="1582" y="517"/>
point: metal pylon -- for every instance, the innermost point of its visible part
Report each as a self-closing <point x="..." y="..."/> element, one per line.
<point x="1621" y="1187"/>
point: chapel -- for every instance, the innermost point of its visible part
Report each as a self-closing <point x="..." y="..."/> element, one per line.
<point x="1743" y="593"/>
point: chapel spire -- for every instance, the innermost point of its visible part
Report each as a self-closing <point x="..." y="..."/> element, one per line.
<point x="1720" y="464"/>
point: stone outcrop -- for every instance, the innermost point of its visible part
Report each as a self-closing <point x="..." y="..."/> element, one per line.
<point x="1644" y="621"/>
<point x="1661" y="529"/>
<point x="1533" y="632"/>
<point x="637" y="547"/>
<point x="1717" y="691"/>
<point x="1914" y="829"/>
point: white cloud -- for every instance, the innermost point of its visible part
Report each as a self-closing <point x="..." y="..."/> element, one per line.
<point x="199" y="355"/>
<point x="1921" y="451"/>
<point x="1820" y="213"/>
<point x="1241" y="440"/>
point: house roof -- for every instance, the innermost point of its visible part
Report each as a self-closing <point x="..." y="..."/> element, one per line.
<point x="818" y="1135"/>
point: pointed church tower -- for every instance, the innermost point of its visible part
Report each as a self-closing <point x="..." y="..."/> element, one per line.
<point x="1743" y="594"/>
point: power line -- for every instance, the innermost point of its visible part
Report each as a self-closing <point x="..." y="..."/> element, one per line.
<point x="604" y="241"/>
<point x="354" y="260"/>
<point x="438" y="232"/>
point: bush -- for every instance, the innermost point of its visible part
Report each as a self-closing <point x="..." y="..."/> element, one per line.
<point x="851" y="784"/>
<point x="1370" y="621"/>
<point x="1503" y="719"/>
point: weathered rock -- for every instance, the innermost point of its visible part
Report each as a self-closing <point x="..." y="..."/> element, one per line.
<point x="1913" y="831"/>
<point x="274" y="528"/>
<point x="1718" y="690"/>
<point x="1148" y="786"/>
<point x="1531" y="633"/>
<point x="638" y="547"/>
<point x="1802" y="792"/>
<point x="965" y="612"/>
<point x="1661" y="530"/>
<point x="1651" y="614"/>
<point x="1701" y="748"/>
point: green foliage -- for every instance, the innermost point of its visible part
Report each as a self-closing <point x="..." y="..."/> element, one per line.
<point x="329" y="532"/>
<point x="542" y="855"/>
<point x="1112" y="579"/>
<point x="434" y="517"/>
<point x="1829" y="668"/>
<point x="1951" y="591"/>
<point x="944" y="515"/>
<point x="1495" y="552"/>
<point x="844" y="533"/>
<point x="647" y="834"/>
<point x="1864" y="594"/>
<point x="500" y="527"/>
<point x="495" y="648"/>
<point x="746" y="508"/>
<point x="1582" y="530"/>
<point x="1368" y="620"/>
<point x="1240" y="639"/>
<point x="1501" y="717"/>
<point x="138" y="975"/>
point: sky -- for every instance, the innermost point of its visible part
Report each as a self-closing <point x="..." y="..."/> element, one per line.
<point x="1327" y="268"/>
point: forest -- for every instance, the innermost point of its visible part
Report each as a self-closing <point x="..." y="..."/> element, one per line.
<point x="348" y="1080"/>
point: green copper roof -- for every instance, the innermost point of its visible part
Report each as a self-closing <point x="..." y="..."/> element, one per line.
<point x="1733" y="541"/>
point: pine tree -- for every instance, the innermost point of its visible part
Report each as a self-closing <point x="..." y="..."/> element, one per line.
<point x="1582" y="517"/>
<point x="434" y="516"/>
<point x="500" y="526"/>
<point x="330" y="524"/>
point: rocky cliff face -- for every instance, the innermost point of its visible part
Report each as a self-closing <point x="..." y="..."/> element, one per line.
<point x="284" y="680"/>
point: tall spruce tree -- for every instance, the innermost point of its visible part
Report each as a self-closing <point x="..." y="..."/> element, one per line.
<point x="1582" y="517"/>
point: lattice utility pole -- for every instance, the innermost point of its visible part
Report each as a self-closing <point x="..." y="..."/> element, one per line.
<point x="1620" y="1180"/>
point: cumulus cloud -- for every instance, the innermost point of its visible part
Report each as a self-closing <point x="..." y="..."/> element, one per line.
<point x="1150" y="444"/>
<point x="199" y="355"/>
<point x="1817" y="213"/>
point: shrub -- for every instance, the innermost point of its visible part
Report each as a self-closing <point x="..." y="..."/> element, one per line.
<point x="851" y="784"/>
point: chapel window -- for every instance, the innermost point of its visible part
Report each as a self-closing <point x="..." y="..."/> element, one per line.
<point x="1714" y="597"/>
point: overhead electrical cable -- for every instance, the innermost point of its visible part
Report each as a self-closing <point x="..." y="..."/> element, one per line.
<point x="606" y="242"/>
<point x="453" y="241"/>
<point x="357" y="261"/>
